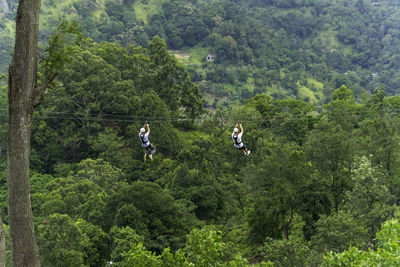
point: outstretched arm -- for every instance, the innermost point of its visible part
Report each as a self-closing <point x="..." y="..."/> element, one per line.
<point x="146" y="126"/>
<point x="236" y="126"/>
<point x="241" y="128"/>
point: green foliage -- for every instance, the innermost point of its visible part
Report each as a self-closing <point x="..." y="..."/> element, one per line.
<point x="385" y="255"/>
<point x="263" y="104"/>
<point x="324" y="164"/>
<point x="336" y="43"/>
<point x="314" y="201"/>
<point x="204" y="247"/>
<point x="124" y="239"/>
<point x="302" y="169"/>
<point x="338" y="232"/>
<point x="291" y="119"/>
<point x="94" y="244"/>
<point x="332" y="151"/>
<point x="63" y="242"/>
<point x="112" y="148"/>
<point x="313" y="183"/>
<point x="153" y="213"/>
<point x="370" y="200"/>
<point x="193" y="180"/>
<point x="101" y="173"/>
<point x="106" y="86"/>
<point x="168" y="75"/>
<point x="292" y="252"/>
<point x="139" y="256"/>
<point x="38" y="183"/>
<point x="60" y="48"/>
<point x="60" y="242"/>
<point x="275" y="187"/>
<point x="343" y="94"/>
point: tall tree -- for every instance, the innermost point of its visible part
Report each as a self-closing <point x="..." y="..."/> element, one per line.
<point x="2" y="242"/>
<point x="331" y="150"/>
<point x="275" y="184"/>
<point x="24" y="94"/>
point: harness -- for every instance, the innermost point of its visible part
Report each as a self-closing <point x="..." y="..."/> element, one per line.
<point x="142" y="139"/>
<point x="235" y="139"/>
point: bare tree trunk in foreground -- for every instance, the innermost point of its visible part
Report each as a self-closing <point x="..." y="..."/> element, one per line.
<point x="2" y="242"/>
<point x="23" y="95"/>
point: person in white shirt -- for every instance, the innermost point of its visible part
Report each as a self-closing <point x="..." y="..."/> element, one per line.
<point x="237" y="139"/>
<point x="144" y="138"/>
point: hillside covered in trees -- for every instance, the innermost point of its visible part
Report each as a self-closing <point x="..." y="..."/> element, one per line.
<point x="303" y="49"/>
<point x="314" y="85"/>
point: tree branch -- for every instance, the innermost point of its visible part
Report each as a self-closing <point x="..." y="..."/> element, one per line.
<point x="40" y="91"/>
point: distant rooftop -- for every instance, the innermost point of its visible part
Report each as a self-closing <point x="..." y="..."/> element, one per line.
<point x="210" y="57"/>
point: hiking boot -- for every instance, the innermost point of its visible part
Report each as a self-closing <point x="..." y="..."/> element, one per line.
<point x="248" y="152"/>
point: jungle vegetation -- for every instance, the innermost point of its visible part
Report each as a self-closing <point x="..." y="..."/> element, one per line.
<point x="314" y="84"/>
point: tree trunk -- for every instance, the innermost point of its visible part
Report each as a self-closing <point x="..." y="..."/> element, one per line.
<point x="2" y="242"/>
<point x="22" y="98"/>
<point x="286" y="226"/>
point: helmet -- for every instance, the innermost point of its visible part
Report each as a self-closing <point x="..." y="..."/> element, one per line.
<point x="235" y="130"/>
<point x="142" y="130"/>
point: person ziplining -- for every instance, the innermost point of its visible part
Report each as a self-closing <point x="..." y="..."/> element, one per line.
<point x="237" y="139"/>
<point x="144" y="138"/>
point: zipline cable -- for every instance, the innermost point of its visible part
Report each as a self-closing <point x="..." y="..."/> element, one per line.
<point x="159" y="119"/>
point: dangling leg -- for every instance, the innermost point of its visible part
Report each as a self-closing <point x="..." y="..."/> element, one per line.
<point x="145" y="153"/>
<point x="153" y="150"/>
<point x="245" y="150"/>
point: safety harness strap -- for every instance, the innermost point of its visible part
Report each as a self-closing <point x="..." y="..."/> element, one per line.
<point x="142" y="139"/>
<point x="235" y="139"/>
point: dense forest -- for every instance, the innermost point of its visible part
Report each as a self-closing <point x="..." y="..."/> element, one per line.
<point x="313" y="83"/>
<point x="302" y="49"/>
